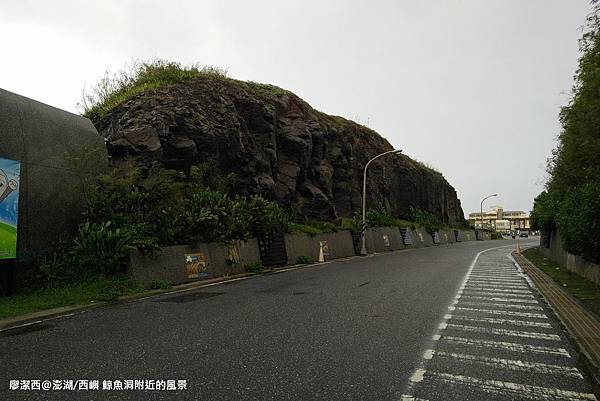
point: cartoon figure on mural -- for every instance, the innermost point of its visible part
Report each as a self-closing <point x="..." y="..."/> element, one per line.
<point x="9" y="207"/>
<point x="6" y="185"/>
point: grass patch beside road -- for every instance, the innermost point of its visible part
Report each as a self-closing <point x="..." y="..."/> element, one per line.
<point x="69" y="295"/>
<point x="582" y="289"/>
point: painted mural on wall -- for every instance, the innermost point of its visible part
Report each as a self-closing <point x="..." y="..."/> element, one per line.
<point x="9" y="207"/>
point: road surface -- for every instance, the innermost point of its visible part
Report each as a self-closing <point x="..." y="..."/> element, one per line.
<point x="417" y="324"/>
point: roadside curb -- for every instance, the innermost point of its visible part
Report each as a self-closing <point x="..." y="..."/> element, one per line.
<point x="63" y="311"/>
<point x="582" y="325"/>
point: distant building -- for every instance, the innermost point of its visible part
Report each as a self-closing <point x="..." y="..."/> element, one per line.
<point x="498" y="219"/>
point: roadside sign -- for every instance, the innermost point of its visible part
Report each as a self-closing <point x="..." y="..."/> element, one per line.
<point x="10" y="171"/>
<point x="195" y="266"/>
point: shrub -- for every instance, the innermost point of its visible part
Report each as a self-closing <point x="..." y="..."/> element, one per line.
<point x="426" y="220"/>
<point x="254" y="267"/>
<point x="158" y="284"/>
<point x="313" y="227"/>
<point x="378" y="216"/>
<point x="98" y="250"/>
<point x="113" y="89"/>
<point x="304" y="260"/>
<point x="578" y="220"/>
<point x="543" y="215"/>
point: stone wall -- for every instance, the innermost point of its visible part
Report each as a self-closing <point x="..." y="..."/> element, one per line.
<point x="58" y="152"/>
<point x="551" y="247"/>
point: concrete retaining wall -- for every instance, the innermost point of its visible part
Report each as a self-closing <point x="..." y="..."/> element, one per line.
<point x="483" y="235"/>
<point x="339" y="245"/>
<point x="170" y="264"/>
<point x="466" y="235"/>
<point x="382" y="239"/>
<point x="446" y="236"/>
<point x="222" y="260"/>
<point x="421" y="238"/>
<point x="574" y="263"/>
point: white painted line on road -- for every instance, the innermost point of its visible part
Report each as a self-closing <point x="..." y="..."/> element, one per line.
<point x="508" y="389"/>
<point x="504" y="332"/>
<point x="407" y="397"/>
<point x="496" y="281"/>
<point x="418" y="375"/>
<point x="510" y="306"/>
<point x="442" y="326"/>
<point x="428" y="354"/>
<point x="520" y="287"/>
<point x="507" y="346"/>
<point x="496" y="289"/>
<point x="511" y="364"/>
<point x="498" y="294"/>
<point x="499" y="299"/>
<point x="524" y="323"/>
<point x="504" y="312"/>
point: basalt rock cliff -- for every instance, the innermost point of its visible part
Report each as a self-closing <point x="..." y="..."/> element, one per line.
<point x="276" y="144"/>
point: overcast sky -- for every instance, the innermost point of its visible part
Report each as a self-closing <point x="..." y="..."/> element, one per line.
<point x="471" y="87"/>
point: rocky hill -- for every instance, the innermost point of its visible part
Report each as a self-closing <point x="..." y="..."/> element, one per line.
<point x="278" y="146"/>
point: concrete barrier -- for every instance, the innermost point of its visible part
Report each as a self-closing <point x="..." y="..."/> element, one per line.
<point x="339" y="245"/>
<point x="183" y="263"/>
<point x="551" y="247"/>
<point x="446" y="236"/>
<point x="466" y="235"/>
<point x="382" y="239"/>
<point x="421" y="238"/>
<point x="180" y="264"/>
<point x="483" y="235"/>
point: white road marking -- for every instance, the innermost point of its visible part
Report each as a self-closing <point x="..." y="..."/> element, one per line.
<point x="492" y="320"/>
<point x="496" y="289"/>
<point x="407" y="397"/>
<point x="521" y="287"/>
<point x="428" y="354"/>
<point x="497" y="294"/>
<point x="515" y="306"/>
<point x="511" y="364"/>
<point x="507" y="346"/>
<point x="500" y="299"/>
<point x="418" y="375"/>
<point x="503" y="312"/>
<point x="504" y="332"/>
<point x="515" y="389"/>
<point x="496" y="279"/>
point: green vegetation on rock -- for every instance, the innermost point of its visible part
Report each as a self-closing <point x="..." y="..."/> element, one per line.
<point x="115" y="88"/>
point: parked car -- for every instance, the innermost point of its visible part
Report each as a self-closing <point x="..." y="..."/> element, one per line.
<point x="523" y="235"/>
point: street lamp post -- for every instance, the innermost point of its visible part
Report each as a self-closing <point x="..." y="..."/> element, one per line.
<point x="481" y="207"/>
<point x="363" y="249"/>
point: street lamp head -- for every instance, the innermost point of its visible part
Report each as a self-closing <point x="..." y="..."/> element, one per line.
<point x="495" y="195"/>
<point x="398" y="151"/>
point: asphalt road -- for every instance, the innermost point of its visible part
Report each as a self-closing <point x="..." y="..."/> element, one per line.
<point x="347" y="330"/>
